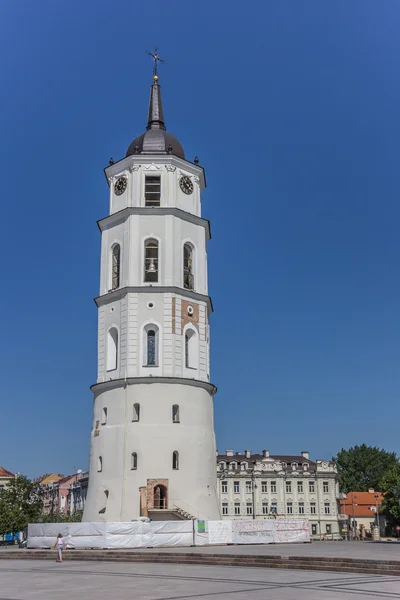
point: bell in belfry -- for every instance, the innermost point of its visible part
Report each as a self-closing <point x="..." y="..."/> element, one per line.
<point x="152" y="267"/>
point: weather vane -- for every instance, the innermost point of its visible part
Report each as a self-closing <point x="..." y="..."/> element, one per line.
<point x="157" y="59"/>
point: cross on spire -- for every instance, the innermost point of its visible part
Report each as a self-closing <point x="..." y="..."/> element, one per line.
<point x="157" y="59"/>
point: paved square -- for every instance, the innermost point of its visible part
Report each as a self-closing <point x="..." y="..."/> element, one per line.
<point x="44" y="580"/>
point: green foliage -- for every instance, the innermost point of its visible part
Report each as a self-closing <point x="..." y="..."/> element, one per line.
<point x="20" y="504"/>
<point x="363" y="467"/>
<point x="390" y="486"/>
<point x="59" y="517"/>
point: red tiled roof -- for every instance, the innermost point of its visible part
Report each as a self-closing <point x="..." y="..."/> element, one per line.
<point x="360" y="504"/>
<point x="5" y="473"/>
<point x="367" y="498"/>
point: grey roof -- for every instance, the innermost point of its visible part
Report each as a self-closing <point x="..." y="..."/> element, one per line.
<point x="156" y="139"/>
<point x="257" y="457"/>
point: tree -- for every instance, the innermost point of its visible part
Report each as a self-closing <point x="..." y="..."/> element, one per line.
<point x="363" y="467"/>
<point x="20" y="504"/>
<point x="390" y="486"/>
<point x="60" y="517"/>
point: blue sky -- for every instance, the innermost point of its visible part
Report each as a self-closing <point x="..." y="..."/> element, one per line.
<point x="293" y="109"/>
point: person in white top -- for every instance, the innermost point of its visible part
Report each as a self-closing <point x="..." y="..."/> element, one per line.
<point x="60" y="545"/>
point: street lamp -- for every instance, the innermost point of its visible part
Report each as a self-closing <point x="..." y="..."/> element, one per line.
<point x="377" y="516"/>
<point x="253" y="488"/>
<point x="353" y="497"/>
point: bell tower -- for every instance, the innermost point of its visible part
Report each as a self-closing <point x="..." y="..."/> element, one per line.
<point x="152" y="448"/>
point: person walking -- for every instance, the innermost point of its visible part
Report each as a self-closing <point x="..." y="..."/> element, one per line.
<point x="60" y="545"/>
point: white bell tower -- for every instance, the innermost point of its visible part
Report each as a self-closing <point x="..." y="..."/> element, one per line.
<point x="152" y="446"/>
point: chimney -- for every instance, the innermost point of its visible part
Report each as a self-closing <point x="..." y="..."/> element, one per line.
<point x="247" y="453"/>
<point x="305" y="454"/>
<point x="265" y="453"/>
<point x="229" y="452"/>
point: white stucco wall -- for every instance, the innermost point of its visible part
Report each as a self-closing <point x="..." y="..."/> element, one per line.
<point x="154" y="438"/>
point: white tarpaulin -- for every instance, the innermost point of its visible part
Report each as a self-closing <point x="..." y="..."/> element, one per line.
<point x="154" y="534"/>
<point x="135" y="534"/>
<point x="255" y="531"/>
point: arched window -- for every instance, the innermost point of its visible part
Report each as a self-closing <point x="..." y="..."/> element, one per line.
<point x="150" y="358"/>
<point x="151" y="260"/>
<point x="104" y="416"/>
<point x="188" y="276"/>
<point x="115" y="266"/>
<point x="191" y="349"/>
<point x="175" y="460"/>
<point x="175" y="413"/>
<point x="134" y="461"/>
<point x="99" y="464"/>
<point x="151" y="348"/>
<point x="136" y="412"/>
<point x="112" y="349"/>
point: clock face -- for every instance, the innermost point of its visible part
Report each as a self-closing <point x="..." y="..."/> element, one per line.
<point x="186" y="184"/>
<point x="120" y="185"/>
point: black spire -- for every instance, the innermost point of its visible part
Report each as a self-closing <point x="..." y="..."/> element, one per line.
<point x="156" y="139"/>
<point x="156" y="116"/>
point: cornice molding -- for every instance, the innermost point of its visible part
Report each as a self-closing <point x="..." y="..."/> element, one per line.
<point x="128" y="162"/>
<point x="153" y="289"/>
<point x="117" y="383"/>
<point x="125" y="213"/>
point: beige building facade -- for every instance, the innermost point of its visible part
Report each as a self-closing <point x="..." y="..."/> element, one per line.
<point x="262" y="486"/>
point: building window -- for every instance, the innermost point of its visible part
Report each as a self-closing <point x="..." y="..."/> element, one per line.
<point x="134" y="461"/>
<point x="289" y="508"/>
<point x="224" y="508"/>
<point x="288" y="487"/>
<point x="188" y="278"/>
<point x="325" y="487"/>
<point x="274" y="508"/>
<point x="328" y="528"/>
<point x="175" y="413"/>
<point x="104" y="416"/>
<point x="301" y="508"/>
<point x="265" y="508"/>
<point x="152" y="190"/>
<point x="299" y="487"/>
<point x="115" y="266"/>
<point x="237" y="508"/>
<point x="151" y="261"/>
<point x="112" y="349"/>
<point x="248" y="487"/>
<point x="100" y="464"/>
<point x="264" y="487"/>
<point x="327" y="508"/>
<point x="273" y="487"/>
<point x="311" y="487"/>
<point x="236" y="487"/>
<point x="175" y="460"/>
<point x="190" y="349"/>
<point x="313" y="508"/>
<point x="150" y="345"/>
<point x="136" y="412"/>
<point x="224" y="487"/>
<point x="249" y="509"/>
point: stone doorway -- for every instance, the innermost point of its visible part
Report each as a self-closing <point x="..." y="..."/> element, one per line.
<point x="157" y="494"/>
